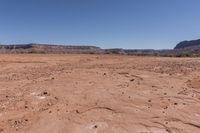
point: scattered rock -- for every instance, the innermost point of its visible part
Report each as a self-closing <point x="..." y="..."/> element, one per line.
<point x="45" y="92"/>
<point x="166" y="107"/>
<point x="175" y="103"/>
<point x="95" y="126"/>
<point x="77" y="111"/>
<point x="56" y="98"/>
<point x="1" y="130"/>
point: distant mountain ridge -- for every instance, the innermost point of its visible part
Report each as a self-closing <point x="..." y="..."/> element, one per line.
<point x="184" y="48"/>
<point x="187" y="44"/>
<point x="48" y="48"/>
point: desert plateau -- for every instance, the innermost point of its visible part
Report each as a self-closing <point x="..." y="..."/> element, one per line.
<point x="79" y="93"/>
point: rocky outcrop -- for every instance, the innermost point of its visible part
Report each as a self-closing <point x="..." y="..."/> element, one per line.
<point x="189" y="48"/>
<point x="188" y="44"/>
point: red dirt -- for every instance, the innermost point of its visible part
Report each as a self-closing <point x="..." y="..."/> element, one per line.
<point x="99" y="94"/>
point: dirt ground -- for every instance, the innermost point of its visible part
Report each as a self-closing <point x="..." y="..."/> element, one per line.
<point x="99" y="94"/>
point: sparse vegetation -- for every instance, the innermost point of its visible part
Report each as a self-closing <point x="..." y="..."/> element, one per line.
<point x="185" y="54"/>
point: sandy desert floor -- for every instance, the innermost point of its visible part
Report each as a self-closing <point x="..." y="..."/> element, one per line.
<point x="99" y="94"/>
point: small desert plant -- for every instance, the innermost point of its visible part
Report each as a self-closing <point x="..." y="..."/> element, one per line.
<point x="33" y="51"/>
<point x="185" y="54"/>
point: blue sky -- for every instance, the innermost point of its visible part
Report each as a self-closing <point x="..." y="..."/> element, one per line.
<point x="151" y="24"/>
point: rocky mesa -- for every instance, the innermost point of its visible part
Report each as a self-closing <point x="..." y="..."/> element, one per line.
<point x="182" y="49"/>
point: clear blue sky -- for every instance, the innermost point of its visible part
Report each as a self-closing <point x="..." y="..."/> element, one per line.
<point x="157" y="24"/>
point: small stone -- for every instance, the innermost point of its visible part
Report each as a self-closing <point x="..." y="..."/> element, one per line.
<point x="1" y="130"/>
<point x="49" y="104"/>
<point x="77" y="111"/>
<point x="95" y="126"/>
<point x="56" y="98"/>
<point x="175" y="103"/>
<point x="45" y="93"/>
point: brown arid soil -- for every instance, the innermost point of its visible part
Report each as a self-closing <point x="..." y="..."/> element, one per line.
<point x="99" y="94"/>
